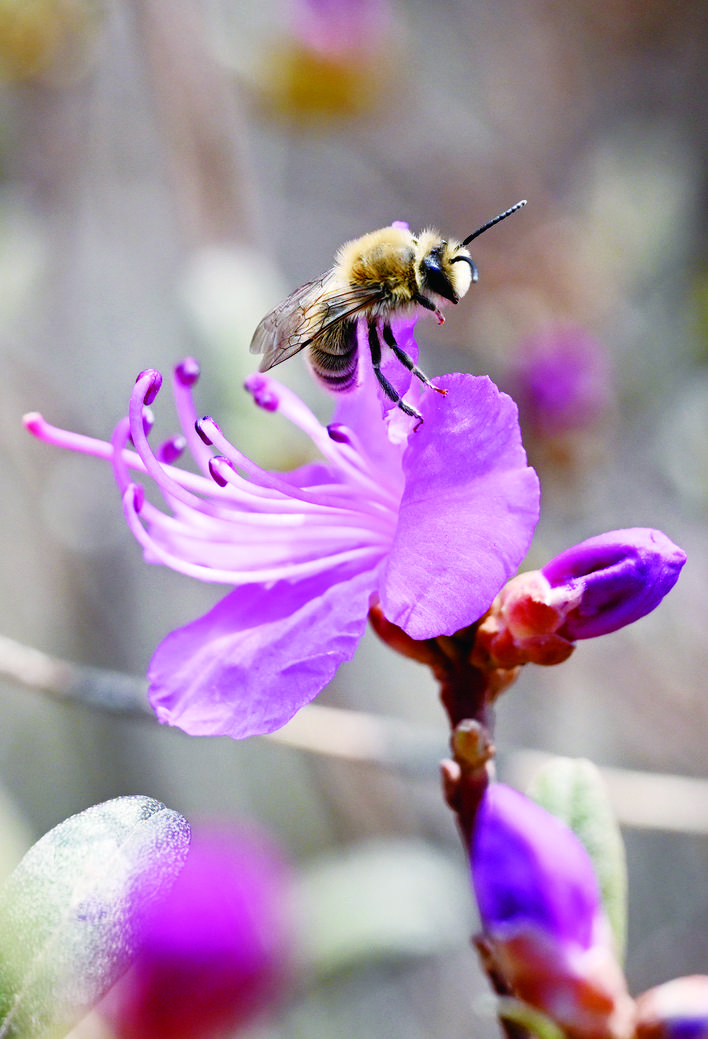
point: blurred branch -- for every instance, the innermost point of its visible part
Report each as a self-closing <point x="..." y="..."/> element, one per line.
<point x="201" y="126"/>
<point x="110" y="691"/>
<point x="646" y="800"/>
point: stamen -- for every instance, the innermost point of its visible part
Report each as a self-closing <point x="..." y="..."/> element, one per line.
<point x="170" y="486"/>
<point x="224" y="576"/>
<point x="185" y="376"/>
<point x="37" y="425"/>
<point x="264" y="478"/>
<point x="353" y="463"/>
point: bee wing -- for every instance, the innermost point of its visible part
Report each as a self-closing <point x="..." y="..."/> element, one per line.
<point x="306" y="313"/>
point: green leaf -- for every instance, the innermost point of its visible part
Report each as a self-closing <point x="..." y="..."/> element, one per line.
<point x="70" y="913"/>
<point x="387" y="900"/>
<point x="528" y="1018"/>
<point x="573" y="790"/>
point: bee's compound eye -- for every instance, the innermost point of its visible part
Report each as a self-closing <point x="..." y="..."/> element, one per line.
<point x="435" y="279"/>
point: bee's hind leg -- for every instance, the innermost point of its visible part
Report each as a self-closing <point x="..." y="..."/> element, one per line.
<point x="389" y="390"/>
<point x="407" y="361"/>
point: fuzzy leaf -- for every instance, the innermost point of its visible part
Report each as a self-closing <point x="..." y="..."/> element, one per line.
<point x="573" y="790"/>
<point x="70" y="913"/>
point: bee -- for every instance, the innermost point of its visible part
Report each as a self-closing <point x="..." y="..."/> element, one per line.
<point x="382" y="275"/>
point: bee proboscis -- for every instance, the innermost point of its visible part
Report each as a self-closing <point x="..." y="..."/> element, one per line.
<point x="384" y="274"/>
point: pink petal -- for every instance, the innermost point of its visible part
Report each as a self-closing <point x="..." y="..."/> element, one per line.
<point x="258" y="656"/>
<point x="468" y="510"/>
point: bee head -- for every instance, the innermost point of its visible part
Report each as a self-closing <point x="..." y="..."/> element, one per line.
<point x="435" y="272"/>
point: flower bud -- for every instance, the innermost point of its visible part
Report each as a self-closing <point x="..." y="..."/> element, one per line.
<point x="614" y="579"/>
<point x="676" y="1010"/>
<point x="544" y="928"/>
<point x="591" y="589"/>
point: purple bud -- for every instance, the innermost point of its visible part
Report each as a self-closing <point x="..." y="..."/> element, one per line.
<point x="530" y="871"/>
<point x="620" y="576"/>
<point x="677" y="1009"/>
<point x="546" y="936"/>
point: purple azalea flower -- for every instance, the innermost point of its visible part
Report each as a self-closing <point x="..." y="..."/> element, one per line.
<point x="432" y="521"/>
<point x="562" y="381"/>
<point x="217" y="950"/>
<point x="544" y="927"/>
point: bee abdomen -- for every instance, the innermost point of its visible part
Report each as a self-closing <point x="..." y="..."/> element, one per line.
<point x="339" y="382"/>
<point x="334" y="358"/>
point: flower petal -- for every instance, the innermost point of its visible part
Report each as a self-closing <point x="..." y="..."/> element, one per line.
<point x="259" y="655"/>
<point x="468" y="510"/>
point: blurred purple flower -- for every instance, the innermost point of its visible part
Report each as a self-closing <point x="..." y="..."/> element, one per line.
<point x="217" y="951"/>
<point x="562" y="381"/>
<point x="431" y="521"/>
<point x="542" y="918"/>
<point x="677" y="1009"/>
<point x="337" y="28"/>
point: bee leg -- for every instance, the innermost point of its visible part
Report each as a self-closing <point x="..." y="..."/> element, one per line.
<point x="423" y="301"/>
<point x="389" y="390"/>
<point x="407" y="361"/>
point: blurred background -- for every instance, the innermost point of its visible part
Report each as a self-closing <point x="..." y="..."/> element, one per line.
<point x="169" y="170"/>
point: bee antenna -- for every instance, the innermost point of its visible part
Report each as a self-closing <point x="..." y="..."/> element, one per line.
<point x="491" y="223"/>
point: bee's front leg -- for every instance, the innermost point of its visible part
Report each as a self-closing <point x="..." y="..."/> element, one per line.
<point x="407" y="361"/>
<point x="423" y="301"/>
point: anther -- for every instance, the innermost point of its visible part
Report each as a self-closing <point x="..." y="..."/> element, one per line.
<point x="187" y="371"/>
<point x="135" y="496"/>
<point x="215" y="464"/>
<point x="201" y="431"/>
<point x="262" y="390"/>
<point x="171" y="450"/>
<point x="153" y="387"/>
<point x="340" y="433"/>
<point x="33" y="423"/>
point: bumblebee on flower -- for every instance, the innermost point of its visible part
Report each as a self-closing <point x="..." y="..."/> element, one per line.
<point x="430" y="523"/>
